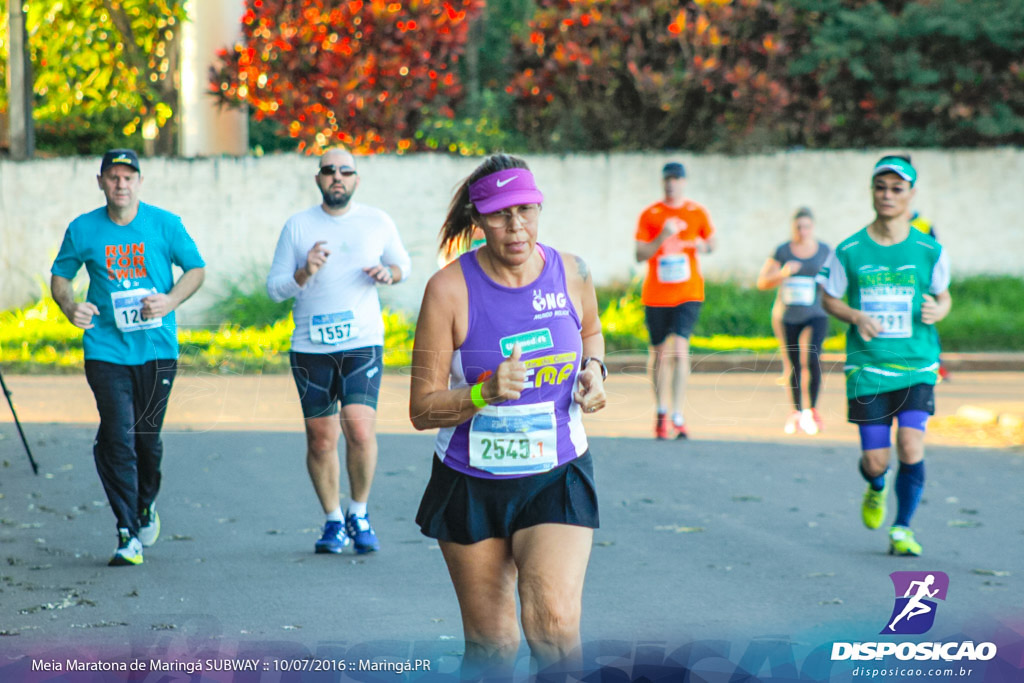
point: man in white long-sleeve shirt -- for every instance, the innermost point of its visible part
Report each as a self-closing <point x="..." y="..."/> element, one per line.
<point x="330" y="258"/>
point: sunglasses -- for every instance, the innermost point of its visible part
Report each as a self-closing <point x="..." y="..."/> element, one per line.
<point x="331" y="169"/>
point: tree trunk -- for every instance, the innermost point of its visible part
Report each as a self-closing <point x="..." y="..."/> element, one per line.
<point x="20" y="127"/>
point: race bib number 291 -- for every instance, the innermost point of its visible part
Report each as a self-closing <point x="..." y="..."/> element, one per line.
<point x="893" y="311"/>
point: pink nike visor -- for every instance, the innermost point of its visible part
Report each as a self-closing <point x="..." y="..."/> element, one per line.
<point x="497" y="191"/>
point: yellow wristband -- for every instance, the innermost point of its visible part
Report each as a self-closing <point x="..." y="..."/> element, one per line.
<point x="477" y="394"/>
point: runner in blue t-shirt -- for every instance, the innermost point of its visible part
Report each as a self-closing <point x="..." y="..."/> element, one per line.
<point x="131" y="346"/>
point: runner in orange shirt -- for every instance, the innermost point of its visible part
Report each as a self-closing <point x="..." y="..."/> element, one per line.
<point x="669" y="235"/>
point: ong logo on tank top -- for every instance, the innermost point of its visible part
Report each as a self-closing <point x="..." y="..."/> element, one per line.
<point x="549" y="304"/>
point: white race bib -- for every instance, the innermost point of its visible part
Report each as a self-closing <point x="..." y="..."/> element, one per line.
<point x="893" y="310"/>
<point x="514" y="439"/>
<point x="128" y="310"/>
<point x="332" y="328"/>
<point x="799" y="290"/>
<point x="673" y="268"/>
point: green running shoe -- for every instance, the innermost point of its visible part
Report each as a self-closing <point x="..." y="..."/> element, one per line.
<point x="901" y="542"/>
<point x="872" y="510"/>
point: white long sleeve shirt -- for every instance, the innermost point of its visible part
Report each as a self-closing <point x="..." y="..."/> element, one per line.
<point x="338" y="308"/>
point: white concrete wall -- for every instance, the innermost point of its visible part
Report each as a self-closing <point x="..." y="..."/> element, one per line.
<point x="235" y="207"/>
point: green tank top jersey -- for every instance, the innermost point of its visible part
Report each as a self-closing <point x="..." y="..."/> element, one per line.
<point x="889" y="283"/>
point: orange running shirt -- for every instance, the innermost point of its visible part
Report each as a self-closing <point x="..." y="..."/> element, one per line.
<point x="673" y="273"/>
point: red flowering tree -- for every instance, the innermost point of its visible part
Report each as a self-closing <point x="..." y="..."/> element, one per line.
<point x="363" y="73"/>
<point x="617" y="74"/>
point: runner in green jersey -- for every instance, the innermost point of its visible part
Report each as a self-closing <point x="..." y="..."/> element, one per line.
<point x="895" y="282"/>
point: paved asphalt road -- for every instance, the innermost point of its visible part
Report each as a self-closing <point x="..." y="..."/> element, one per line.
<point x="719" y="545"/>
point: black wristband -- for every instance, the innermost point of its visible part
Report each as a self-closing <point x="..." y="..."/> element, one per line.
<point x="604" y="368"/>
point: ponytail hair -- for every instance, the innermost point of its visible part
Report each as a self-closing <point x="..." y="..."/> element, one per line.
<point x="457" y="231"/>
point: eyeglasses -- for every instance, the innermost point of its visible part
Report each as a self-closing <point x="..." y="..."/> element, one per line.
<point x="331" y="169"/>
<point x="527" y="213"/>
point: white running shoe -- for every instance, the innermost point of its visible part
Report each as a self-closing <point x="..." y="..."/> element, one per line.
<point x="129" y="550"/>
<point x="808" y="423"/>
<point x="149" y="530"/>
<point x="792" y="422"/>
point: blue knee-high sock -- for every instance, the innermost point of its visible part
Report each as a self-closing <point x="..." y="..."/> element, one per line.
<point x="877" y="483"/>
<point x="909" y="486"/>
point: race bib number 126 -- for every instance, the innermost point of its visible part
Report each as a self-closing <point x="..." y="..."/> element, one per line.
<point x="128" y="310"/>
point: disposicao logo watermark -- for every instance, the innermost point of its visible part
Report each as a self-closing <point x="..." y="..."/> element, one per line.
<point x="916" y="593"/>
<point x="913" y="614"/>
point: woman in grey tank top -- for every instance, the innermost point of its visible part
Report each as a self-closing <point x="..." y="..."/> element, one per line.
<point x="792" y="270"/>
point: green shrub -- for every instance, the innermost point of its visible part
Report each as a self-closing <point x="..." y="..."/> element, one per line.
<point x="245" y="303"/>
<point x="733" y="309"/>
<point x="987" y="315"/>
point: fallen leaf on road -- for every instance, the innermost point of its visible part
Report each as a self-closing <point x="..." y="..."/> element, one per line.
<point x="680" y="529"/>
<point x="101" y="624"/>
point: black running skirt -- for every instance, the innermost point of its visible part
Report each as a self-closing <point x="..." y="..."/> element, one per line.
<point x="463" y="509"/>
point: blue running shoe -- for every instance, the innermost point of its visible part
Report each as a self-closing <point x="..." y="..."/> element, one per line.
<point x="334" y="539"/>
<point x="361" y="533"/>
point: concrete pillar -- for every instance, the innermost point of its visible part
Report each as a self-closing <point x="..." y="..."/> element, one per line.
<point x="206" y="129"/>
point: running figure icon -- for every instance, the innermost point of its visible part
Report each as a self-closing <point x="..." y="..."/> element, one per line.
<point x="914" y="606"/>
<point x="916" y="601"/>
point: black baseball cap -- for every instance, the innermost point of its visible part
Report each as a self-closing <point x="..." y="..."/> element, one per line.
<point x="115" y="157"/>
<point x="673" y="169"/>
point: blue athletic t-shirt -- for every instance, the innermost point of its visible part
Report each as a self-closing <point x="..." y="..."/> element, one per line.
<point x="119" y="258"/>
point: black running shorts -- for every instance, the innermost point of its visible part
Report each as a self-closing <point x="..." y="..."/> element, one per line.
<point x="665" y="320"/>
<point x="324" y="379"/>
<point x="880" y="409"/>
<point x="464" y="509"/>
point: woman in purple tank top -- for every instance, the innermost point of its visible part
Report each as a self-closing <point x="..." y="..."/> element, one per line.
<point x="507" y="360"/>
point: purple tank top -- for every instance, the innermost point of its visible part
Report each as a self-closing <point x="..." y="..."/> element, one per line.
<point x="543" y="428"/>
